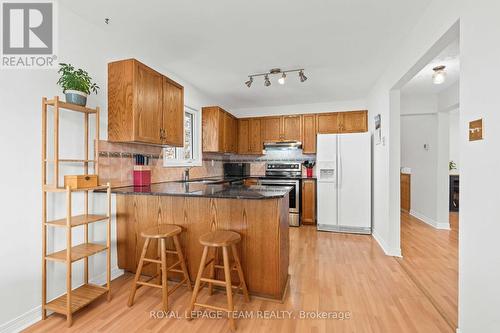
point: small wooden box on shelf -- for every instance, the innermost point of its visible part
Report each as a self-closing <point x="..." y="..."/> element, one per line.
<point x="80" y="181"/>
<point x="74" y="299"/>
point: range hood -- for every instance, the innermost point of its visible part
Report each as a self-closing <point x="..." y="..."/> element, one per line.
<point x="283" y="145"/>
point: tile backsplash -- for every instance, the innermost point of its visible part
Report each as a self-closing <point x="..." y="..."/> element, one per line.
<point x="116" y="162"/>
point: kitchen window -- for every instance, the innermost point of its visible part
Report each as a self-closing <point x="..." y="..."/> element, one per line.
<point x="190" y="154"/>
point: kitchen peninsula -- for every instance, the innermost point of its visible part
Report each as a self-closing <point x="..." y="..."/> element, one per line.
<point x="260" y="216"/>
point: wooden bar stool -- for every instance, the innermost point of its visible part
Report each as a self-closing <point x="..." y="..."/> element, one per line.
<point x="219" y="239"/>
<point x="161" y="233"/>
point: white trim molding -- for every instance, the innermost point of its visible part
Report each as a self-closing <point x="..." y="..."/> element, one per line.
<point x="394" y="252"/>
<point x="429" y="221"/>
<point x="34" y="315"/>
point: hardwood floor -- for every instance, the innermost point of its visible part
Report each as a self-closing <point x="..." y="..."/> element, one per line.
<point x="328" y="272"/>
<point x="430" y="257"/>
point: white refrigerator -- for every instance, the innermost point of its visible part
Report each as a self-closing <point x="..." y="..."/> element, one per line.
<point x="343" y="170"/>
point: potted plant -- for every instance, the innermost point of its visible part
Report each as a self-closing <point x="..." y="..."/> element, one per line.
<point x="76" y="84"/>
<point x="309" y="165"/>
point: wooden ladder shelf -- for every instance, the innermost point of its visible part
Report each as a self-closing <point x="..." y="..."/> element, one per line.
<point x="74" y="299"/>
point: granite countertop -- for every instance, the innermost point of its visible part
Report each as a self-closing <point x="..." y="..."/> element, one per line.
<point x="210" y="190"/>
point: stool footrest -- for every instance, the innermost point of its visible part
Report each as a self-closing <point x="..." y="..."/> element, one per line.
<point x="149" y="284"/>
<point x="152" y="260"/>
<point x="171" y="267"/>
<point x="171" y="251"/>
<point x="217" y="282"/>
<point x="174" y="288"/>
<point x="212" y="307"/>
<point x="234" y="268"/>
<point x="175" y="270"/>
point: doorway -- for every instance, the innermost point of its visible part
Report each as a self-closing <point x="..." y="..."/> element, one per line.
<point x="429" y="172"/>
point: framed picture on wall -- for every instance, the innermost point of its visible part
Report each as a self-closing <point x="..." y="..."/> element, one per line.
<point x="378" y="131"/>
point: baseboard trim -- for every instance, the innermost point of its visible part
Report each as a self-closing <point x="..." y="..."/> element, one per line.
<point x="34" y="315"/>
<point x="393" y="252"/>
<point x="429" y="221"/>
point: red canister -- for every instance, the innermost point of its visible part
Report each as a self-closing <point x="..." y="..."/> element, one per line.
<point x="142" y="176"/>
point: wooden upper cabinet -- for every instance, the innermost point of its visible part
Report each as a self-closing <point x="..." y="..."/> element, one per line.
<point x="308" y="201"/>
<point x="148" y="105"/>
<point x="271" y="129"/>
<point x="173" y="113"/>
<point x="292" y="128"/>
<point x="342" y="122"/>
<point x="139" y="107"/>
<point x="230" y="133"/>
<point x="309" y="134"/>
<point x="249" y="136"/>
<point x="328" y="123"/>
<point x="219" y="131"/>
<point x="212" y="129"/>
<point x="255" y="137"/>
<point x="243" y="136"/>
<point x="354" y="122"/>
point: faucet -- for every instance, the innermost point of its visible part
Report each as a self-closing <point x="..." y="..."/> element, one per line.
<point x="186" y="175"/>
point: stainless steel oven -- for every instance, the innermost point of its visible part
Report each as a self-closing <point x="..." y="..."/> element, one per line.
<point x="286" y="174"/>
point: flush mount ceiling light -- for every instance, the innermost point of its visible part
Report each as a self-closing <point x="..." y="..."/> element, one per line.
<point x="276" y="71"/>
<point x="439" y="75"/>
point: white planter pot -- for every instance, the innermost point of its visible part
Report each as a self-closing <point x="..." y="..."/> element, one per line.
<point x="76" y="97"/>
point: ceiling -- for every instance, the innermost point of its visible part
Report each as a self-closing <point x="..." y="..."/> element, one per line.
<point x="421" y="84"/>
<point x="344" y="45"/>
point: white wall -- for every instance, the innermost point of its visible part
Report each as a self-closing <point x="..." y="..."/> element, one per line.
<point x="301" y="108"/>
<point x="412" y="104"/>
<point x="421" y="125"/>
<point x="479" y="250"/>
<point x="416" y="131"/>
<point x="21" y="91"/>
<point x="455" y="139"/>
<point x="449" y="99"/>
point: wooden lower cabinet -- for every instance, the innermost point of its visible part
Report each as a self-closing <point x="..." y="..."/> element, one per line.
<point x="308" y="212"/>
<point x="263" y="249"/>
<point x="405" y="192"/>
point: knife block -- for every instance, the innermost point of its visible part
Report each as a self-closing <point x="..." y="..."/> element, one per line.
<point x="142" y="175"/>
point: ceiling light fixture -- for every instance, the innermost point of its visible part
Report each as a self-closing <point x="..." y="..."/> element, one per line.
<point x="276" y="71"/>
<point x="267" y="83"/>
<point x="439" y="75"/>
<point x="249" y="82"/>
<point x="282" y="79"/>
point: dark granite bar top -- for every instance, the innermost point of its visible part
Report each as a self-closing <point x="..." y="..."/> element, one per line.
<point x="208" y="190"/>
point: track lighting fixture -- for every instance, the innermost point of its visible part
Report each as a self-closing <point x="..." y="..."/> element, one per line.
<point x="275" y="71"/>
<point x="302" y="76"/>
<point x="249" y="82"/>
<point x="267" y="83"/>
<point x="439" y="75"/>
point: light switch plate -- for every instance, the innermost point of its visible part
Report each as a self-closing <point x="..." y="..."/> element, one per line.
<point x="476" y="130"/>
